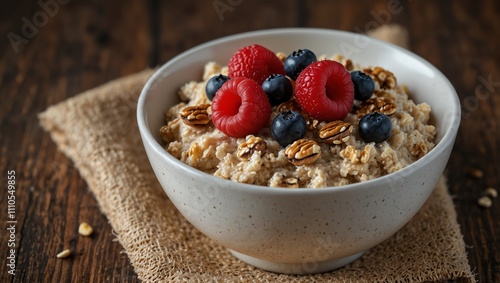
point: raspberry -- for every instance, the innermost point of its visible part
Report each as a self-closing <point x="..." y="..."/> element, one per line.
<point x="254" y="62"/>
<point x="325" y="91"/>
<point x="240" y="108"/>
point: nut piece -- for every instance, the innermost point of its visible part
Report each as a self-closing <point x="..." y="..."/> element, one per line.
<point x="85" y="229"/>
<point x="311" y="123"/>
<point x="167" y="132"/>
<point x="293" y="105"/>
<point x="419" y="149"/>
<point x="347" y="64"/>
<point x="195" y="115"/>
<point x="491" y="192"/>
<point x="251" y="145"/>
<point x="484" y="201"/>
<point x="64" y="254"/>
<point x="282" y="56"/>
<point x="384" y="105"/>
<point x="302" y="152"/>
<point x="384" y="78"/>
<point x="357" y="156"/>
<point x="383" y="93"/>
<point x="335" y="132"/>
<point x="289" y="105"/>
<point x="290" y="182"/>
<point x="195" y="151"/>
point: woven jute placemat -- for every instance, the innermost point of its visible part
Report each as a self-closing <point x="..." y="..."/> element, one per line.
<point x="97" y="130"/>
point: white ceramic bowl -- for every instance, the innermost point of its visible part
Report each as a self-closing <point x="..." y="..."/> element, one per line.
<point x="299" y="230"/>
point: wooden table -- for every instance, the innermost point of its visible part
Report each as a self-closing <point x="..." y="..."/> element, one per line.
<point x="53" y="51"/>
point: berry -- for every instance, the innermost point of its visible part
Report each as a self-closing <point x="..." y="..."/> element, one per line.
<point x="298" y="61"/>
<point x="288" y="127"/>
<point x="240" y="108"/>
<point x="278" y="88"/>
<point x="375" y="127"/>
<point x="254" y="62"/>
<point x="363" y="85"/>
<point x="325" y="91"/>
<point x="214" y="84"/>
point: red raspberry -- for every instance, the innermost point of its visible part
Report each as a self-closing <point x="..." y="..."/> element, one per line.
<point x="325" y="91"/>
<point x="255" y="62"/>
<point x="240" y="108"/>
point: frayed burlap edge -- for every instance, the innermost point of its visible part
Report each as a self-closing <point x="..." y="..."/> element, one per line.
<point x="98" y="131"/>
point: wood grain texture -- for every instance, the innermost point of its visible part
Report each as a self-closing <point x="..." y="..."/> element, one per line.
<point x="86" y="43"/>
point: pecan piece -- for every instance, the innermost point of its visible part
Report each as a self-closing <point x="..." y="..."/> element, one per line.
<point x="347" y="64"/>
<point x="251" y="145"/>
<point x="289" y="105"/>
<point x="197" y="115"/>
<point x="384" y="78"/>
<point x="311" y="124"/>
<point x="293" y="105"/>
<point x="302" y="152"/>
<point x="382" y="104"/>
<point x="335" y="132"/>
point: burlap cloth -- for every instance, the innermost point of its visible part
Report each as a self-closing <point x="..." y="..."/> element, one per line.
<point x="98" y="131"/>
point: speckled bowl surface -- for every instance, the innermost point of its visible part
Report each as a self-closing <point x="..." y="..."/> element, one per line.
<point x="299" y="230"/>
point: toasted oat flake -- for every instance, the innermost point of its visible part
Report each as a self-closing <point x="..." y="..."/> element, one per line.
<point x="85" y="229"/>
<point x="491" y="192"/>
<point x="485" y="201"/>
<point x="64" y="254"/>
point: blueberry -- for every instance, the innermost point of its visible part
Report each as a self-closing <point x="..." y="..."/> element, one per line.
<point x="288" y="127"/>
<point x="375" y="127"/>
<point x="214" y="84"/>
<point x="298" y="61"/>
<point x="363" y="85"/>
<point x="278" y="88"/>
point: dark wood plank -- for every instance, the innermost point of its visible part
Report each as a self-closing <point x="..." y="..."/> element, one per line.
<point x="460" y="46"/>
<point x="208" y="20"/>
<point x="467" y="54"/>
<point x="86" y="43"/>
<point x="354" y="17"/>
<point x="82" y="46"/>
<point x="462" y="39"/>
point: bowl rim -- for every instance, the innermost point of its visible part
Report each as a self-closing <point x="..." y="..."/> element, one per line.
<point x="446" y="141"/>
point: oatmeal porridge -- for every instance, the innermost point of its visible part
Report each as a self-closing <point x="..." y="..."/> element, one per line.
<point x="329" y="152"/>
